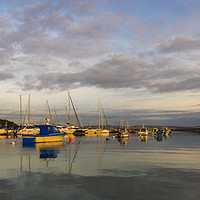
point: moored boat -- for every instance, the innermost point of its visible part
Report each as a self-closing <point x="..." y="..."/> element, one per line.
<point x="154" y="131"/>
<point x="123" y="134"/>
<point x="143" y="138"/>
<point x="2" y="131"/>
<point x="103" y="132"/>
<point x="29" y="130"/>
<point x="143" y="131"/>
<point x="48" y="133"/>
<point x="79" y="132"/>
<point x="160" y="132"/>
<point x="91" y="132"/>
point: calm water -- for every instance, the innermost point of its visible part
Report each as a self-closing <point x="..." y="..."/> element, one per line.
<point x="93" y="168"/>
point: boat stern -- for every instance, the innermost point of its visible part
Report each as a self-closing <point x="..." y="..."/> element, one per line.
<point x="28" y="139"/>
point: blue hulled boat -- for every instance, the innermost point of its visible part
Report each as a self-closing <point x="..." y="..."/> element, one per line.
<point x="48" y="133"/>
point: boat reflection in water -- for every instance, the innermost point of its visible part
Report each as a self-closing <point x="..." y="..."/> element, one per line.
<point x="123" y="141"/>
<point x="158" y="138"/>
<point x="49" y="151"/>
<point x="143" y="138"/>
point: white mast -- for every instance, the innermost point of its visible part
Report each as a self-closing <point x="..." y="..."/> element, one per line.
<point x="29" y="109"/>
<point x="47" y="110"/>
<point x="69" y="109"/>
<point x="55" y="115"/>
<point x="102" y="120"/>
<point x="66" y="115"/>
<point x="79" y="118"/>
<point x="21" y="110"/>
<point x="99" y="113"/>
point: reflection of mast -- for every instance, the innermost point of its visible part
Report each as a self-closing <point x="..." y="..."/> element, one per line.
<point x="29" y="163"/>
<point x="101" y="149"/>
<point x="75" y="155"/>
<point x="21" y="163"/>
<point x="69" y="169"/>
<point x="70" y="163"/>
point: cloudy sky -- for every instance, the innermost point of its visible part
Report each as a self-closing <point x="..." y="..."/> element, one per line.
<point x="140" y="57"/>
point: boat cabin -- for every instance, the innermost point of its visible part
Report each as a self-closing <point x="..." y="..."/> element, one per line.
<point x="48" y="130"/>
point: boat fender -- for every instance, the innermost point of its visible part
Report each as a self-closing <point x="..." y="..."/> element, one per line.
<point x="70" y="139"/>
<point x="107" y="139"/>
<point x="12" y="143"/>
<point x="129" y="136"/>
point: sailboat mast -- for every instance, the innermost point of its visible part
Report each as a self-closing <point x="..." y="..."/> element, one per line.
<point x="99" y="113"/>
<point x="47" y="109"/>
<point x="69" y="109"/>
<point x="75" y="113"/>
<point x="74" y="119"/>
<point x="66" y="114"/>
<point x="55" y="115"/>
<point x="79" y="118"/>
<point x="102" y="120"/>
<point x="29" y="109"/>
<point x="21" y="110"/>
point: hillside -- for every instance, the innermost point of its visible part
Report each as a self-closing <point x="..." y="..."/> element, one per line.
<point x="9" y="124"/>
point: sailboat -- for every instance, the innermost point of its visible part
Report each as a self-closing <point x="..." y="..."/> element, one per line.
<point x="2" y="131"/>
<point x="102" y="121"/>
<point x="26" y="128"/>
<point x="73" y="130"/>
<point x="123" y="132"/>
<point x="143" y="131"/>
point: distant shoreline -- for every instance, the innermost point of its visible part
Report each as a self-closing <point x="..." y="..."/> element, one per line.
<point x="187" y="129"/>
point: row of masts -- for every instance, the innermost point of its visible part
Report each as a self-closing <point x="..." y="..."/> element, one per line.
<point x="101" y="117"/>
<point x="124" y="125"/>
<point x="68" y="113"/>
<point x="26" y="120"/>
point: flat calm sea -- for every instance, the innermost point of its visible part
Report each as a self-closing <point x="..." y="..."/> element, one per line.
<point x="93" y="168"/>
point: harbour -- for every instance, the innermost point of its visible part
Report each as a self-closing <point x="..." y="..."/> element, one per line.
<point x="99" y="100"/>
<point x="96" y="168"/>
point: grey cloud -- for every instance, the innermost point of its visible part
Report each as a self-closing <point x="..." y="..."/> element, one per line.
<point x="188" y="84"/>
<point x="65" y="48"/>
<point x="179" y="44"/>
<point x="63" y="19"/>
<point x="6" y="75"/>
<point x="4" y="23"/>
<point x="119" y="71"/>
<point x="57" y="33"/>
<point x="54" y="30"/>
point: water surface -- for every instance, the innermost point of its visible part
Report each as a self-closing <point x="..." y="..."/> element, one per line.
<point x="93" y="168"/>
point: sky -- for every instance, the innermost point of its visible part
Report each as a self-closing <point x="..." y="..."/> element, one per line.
<point x="139" y="57"/>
